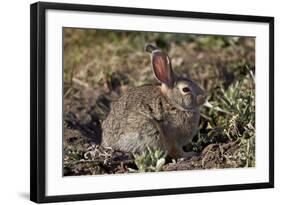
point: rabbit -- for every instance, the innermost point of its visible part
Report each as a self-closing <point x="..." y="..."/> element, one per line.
<point x="162" y="116"/>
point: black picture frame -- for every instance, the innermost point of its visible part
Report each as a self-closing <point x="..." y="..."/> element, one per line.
<point x="38" y="100"/>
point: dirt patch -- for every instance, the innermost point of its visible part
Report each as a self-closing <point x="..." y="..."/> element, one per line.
<point x="214" y="156"/>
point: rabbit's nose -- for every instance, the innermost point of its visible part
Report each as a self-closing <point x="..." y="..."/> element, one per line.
<point x="201" y="99"/>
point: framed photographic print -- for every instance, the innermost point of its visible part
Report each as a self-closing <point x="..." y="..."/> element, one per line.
<point x="129" y="102"/>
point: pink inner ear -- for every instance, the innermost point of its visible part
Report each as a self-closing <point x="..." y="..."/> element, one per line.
<point x="162" y="68"/>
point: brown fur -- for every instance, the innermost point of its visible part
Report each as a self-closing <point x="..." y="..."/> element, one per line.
<point x="163" y="117"/>
<point x="142" y="118"/>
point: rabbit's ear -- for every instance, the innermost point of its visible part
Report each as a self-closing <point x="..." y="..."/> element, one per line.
<point x="162" y="68"/>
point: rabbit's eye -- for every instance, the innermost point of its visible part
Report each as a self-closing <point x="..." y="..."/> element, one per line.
<point x="186" y="90"/>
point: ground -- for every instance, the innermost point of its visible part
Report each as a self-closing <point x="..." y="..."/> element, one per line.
<point x="100" y="65"/>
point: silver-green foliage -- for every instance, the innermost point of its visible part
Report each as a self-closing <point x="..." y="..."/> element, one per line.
<point x="151" y="160"/>
<point x="230" y="115"/>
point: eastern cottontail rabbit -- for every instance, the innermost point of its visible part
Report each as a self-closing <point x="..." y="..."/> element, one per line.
<point x="164" y="117"/>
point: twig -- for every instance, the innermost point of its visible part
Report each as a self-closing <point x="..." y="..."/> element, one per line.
<point x="67" y="92"/>
<point x="209" y="105"/>
<point x="79" y="82"/>
<point x="96" y="162"/>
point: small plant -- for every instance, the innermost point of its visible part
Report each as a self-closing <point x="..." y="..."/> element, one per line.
<point x="152" y="160"/>
<point x="229" y="116"/>
<point x="237" y="107"/>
